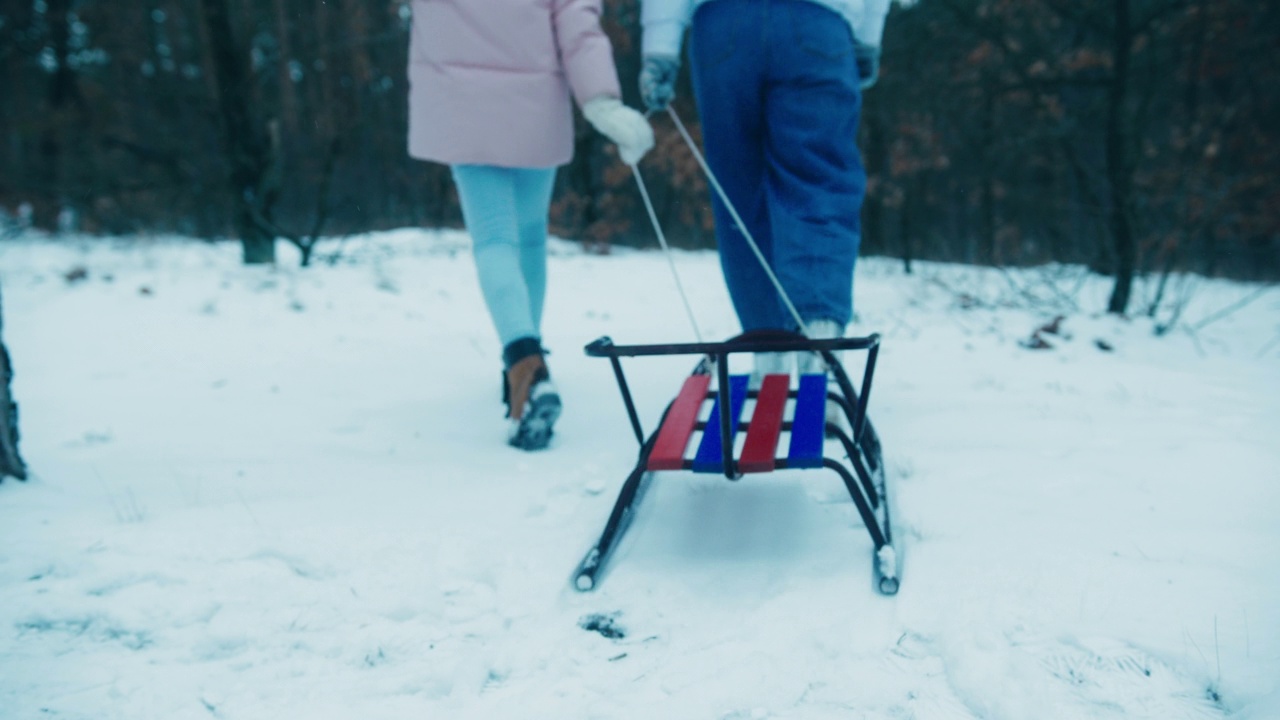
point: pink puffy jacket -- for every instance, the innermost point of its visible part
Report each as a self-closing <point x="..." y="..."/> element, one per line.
<point x="490" y="80"/>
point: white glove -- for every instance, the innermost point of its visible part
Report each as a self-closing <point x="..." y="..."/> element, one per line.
<point x="624" y="126"/>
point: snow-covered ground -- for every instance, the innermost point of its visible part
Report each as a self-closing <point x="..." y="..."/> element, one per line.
<point x="284" y="493"/>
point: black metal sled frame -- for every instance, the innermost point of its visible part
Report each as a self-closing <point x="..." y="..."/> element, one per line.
<point x="861" y="471"/>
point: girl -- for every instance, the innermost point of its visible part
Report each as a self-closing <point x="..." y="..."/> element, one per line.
<point x="490" y="86"/>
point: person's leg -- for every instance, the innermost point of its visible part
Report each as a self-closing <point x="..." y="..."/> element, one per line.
<point x="816" y="178"/>
<point x="499" y="205"/>
<point x="727" y="65"/>
<point x="488" y="198"/>
<point x="533" y="201"/>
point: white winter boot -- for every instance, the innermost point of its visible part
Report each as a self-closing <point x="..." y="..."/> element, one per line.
<point x="809" y="363"/>
<point x="770" y="363"/>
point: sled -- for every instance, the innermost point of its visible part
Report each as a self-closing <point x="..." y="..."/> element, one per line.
<point x="719" y="423"/>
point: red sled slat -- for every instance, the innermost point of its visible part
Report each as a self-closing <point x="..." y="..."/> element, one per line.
<point x="673" y="438"/>
<point x="766" y="424"/>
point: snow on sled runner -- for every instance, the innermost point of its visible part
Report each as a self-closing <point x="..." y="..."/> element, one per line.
<point x="712" y="405"/>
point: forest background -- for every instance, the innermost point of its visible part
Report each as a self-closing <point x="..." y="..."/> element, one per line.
<point x="1135" y="137"/>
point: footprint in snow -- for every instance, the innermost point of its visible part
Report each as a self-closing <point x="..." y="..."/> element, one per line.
<point x="606" y="625"/>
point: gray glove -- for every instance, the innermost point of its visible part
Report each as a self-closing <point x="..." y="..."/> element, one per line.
<point x="658" y="80"/>
<point x="868" y="59"/>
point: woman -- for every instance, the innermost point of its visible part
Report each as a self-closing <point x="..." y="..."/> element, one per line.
<point x="490" y="88"/>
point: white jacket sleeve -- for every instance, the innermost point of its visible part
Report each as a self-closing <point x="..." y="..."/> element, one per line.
<point x="664" y="22"/>
<point x="870" y="31"/>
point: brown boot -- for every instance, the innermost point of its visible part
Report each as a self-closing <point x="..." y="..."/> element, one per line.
<point x="520" y="380"/>
<point x="532" y="401"/>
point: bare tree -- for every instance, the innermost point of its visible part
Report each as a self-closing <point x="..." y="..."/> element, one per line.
<point x="11" y="464"/>
<point x="1119" y="158"/>
<point x="254" y="182"/>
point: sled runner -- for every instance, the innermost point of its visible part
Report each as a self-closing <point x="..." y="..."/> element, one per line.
<point x="719" y="424"/>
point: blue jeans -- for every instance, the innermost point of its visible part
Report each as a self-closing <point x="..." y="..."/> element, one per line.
<point x="777" y="91"/>
<point x="505" y="210"/>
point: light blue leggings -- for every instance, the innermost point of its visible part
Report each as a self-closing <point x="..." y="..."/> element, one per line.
<point x="506" y="213"/>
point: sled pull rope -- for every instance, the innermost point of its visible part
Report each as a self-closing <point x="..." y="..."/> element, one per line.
<point x="724" y="197"/>
<point x="666" y="249"/>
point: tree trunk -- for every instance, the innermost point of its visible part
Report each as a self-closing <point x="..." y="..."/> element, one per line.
<point x="1119" y="172"/>
<point x="244" y="138"/>
<point x="907" y="226"/>
<point x="873" y="209"/>
<point x="989" y="251"/>
<point x="11" y="464"/>
<point x="284" y="69"/>
<point x="64" y="92"/>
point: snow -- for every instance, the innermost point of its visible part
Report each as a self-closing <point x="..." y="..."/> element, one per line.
<point x="887" y="559"/>
<point x="283" y="492"/>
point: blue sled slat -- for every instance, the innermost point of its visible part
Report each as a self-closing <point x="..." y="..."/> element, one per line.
<point x="807" y="424"/>
<point x="710" y="457"/>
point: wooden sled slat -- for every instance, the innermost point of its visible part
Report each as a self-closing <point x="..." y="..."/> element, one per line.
<point x="673" y="438"/>
<point x="766" y="425"/>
